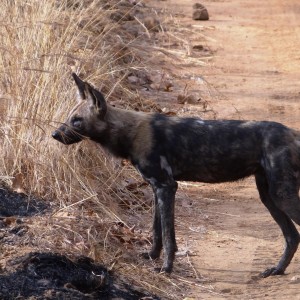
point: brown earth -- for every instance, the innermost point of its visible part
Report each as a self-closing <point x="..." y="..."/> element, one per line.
<point x="251" y="69"/>
<point x="241" y="64"/>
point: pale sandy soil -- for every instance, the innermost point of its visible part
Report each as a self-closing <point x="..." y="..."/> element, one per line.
<point x="254" y="74"/>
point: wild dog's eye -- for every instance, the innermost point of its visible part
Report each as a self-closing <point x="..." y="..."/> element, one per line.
<point x="77" y="122"/>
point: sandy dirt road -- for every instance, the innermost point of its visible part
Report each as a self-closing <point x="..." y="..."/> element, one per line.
<point x="256" y="72"/>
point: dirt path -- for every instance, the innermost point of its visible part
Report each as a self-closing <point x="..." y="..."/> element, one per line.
<point x="255" y="69"/>
<point x="258" y="58"/>
<point x="249" y="64"/>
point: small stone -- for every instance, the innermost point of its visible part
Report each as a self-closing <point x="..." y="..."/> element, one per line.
<point x="198" y="47"/>
<point x="133" y="79"/>
<point x="181" y="99"/>
<point x="200" y="12"/>
<point x="295" y="279"/>
<point x="168" y="86"/>
<point x="201" y="15"/>
<point x="190" y="99"/>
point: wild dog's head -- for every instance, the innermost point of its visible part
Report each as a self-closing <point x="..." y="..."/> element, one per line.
<point x="86" y="119"/>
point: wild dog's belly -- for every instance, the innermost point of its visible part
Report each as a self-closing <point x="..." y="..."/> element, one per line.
<point x="214" y="172"/>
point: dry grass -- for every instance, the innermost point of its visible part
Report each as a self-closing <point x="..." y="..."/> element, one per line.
<point x="41" y="43"/>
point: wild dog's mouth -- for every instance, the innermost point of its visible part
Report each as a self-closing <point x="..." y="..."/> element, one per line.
<point x="67" y="136"/>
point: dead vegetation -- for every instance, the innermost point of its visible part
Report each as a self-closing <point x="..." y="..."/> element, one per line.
<point x="99" y="207"/>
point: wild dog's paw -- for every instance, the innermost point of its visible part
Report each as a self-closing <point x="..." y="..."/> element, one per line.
<point x="162" y="271"/>
<point x="166" y="270"/>
<point x="271" y="272"/>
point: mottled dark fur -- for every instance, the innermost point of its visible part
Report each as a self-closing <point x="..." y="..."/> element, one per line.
<point x="169" y="149"/>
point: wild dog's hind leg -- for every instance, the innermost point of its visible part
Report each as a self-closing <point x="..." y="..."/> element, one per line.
<point x="289" y="230"/>
<point x="285" y="197"/>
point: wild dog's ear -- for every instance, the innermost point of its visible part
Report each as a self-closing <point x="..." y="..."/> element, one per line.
<point x="96" y="100"/>
<point x="81" y="86"/>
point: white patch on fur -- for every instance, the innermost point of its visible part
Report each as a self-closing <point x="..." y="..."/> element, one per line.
<point x="248" y="124"/>
<point x="271" y="161"/>
<point x="165" y="165"/>
<point x="78" y="96"/>
<point x="151" y="180"/>
<point x="200" y="122"/>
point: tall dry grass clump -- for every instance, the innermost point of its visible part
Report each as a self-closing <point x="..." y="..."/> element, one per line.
<point x="42" y="42"/>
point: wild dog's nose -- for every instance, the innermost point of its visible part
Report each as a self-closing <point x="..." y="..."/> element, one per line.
<point x="56" y="135"/>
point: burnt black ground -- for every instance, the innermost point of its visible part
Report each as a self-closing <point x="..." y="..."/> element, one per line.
<point x="38" y="276"/>
<point x="54" y="276"/>
<point x="20" y="205"/>
<point x="15" y="209"/>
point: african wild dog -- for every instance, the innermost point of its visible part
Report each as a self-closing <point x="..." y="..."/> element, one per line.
<point x="169" y="149"/>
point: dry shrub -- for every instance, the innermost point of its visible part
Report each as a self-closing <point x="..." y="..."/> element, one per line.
<point x="42" y="42"/>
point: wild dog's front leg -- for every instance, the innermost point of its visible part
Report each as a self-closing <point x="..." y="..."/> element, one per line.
<point x="165" y="197"/>
<point x="157" y="234"/>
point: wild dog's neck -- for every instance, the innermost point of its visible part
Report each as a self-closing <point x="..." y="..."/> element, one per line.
<point x="123" y="128"/>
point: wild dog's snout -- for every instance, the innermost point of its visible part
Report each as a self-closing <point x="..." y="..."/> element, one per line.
<point x="56" y="135"/>
<point x="66" y="135"/>
<point x="59" y="135"/>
